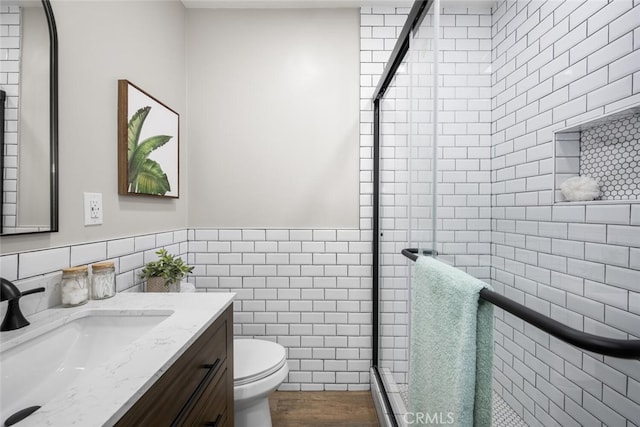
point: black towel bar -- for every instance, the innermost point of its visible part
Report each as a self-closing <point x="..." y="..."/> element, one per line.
<point x="625" y="349"/>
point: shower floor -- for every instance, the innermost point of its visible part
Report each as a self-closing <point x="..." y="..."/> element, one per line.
<point x="503" y="415"/>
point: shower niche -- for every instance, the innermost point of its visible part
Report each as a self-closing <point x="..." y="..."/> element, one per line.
<point x="606" y="149"/>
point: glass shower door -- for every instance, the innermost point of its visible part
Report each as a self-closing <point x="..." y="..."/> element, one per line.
<point x="423" y="65"/>
<point x="394" y="230"/>
<point x="407" y="208"/>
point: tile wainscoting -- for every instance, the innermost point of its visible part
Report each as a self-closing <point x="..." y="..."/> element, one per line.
<point x="309" y="290"/>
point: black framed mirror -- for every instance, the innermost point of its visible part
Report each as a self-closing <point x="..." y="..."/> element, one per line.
<point x="29" y="119"/>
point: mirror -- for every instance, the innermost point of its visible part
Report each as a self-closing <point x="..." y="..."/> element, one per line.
<point x="29" y="118"/>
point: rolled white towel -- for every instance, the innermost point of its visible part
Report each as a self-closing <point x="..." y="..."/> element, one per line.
<point x="580" y="188"/>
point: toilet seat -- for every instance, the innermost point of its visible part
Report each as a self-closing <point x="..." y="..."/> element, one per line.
<point x="254" y="360"/>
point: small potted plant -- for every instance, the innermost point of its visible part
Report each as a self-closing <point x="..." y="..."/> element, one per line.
<point x="164" y="275"/>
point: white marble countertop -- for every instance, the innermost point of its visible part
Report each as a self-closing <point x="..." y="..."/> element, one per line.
<point x="105" y="393"/>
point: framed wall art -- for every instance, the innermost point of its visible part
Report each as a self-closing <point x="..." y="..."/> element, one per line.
<point x="148" y="144"/>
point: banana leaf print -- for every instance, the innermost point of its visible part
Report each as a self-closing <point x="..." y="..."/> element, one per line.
<point x="145" y="175"/>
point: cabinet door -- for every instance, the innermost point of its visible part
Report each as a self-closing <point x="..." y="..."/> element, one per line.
<point x="177" y="391"/>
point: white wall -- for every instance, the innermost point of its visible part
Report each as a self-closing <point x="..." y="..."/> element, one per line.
<point x="99" y="43"/>
<point x="273" y="118"/>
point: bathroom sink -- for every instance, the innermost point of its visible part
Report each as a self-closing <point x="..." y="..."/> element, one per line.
<point x="52" y="357"/>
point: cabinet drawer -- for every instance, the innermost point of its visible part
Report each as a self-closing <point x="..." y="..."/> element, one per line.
<point x="168" y="397"/>
<point x="212" y="407"/>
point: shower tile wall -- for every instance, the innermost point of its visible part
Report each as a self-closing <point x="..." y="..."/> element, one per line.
<point x="464" y="140"/>
<point x="9" y="79"/>
<point x="556" y="64"/>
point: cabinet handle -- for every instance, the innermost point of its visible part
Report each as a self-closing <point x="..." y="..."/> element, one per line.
<point x="214" y="423"/>
<point x="211" y="371"/>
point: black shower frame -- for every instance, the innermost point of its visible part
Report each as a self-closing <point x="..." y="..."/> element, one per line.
<point x="417" y="13"/>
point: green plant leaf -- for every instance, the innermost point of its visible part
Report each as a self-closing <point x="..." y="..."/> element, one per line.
<point x="135" y="127"/>
<point x="141" y="153"/>
<point x="171" y="268"/>
<point x="151" y="179"/>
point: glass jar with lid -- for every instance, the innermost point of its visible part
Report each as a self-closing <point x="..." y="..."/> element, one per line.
<point x="103" y="280"/>
<point x="75" y="286"/>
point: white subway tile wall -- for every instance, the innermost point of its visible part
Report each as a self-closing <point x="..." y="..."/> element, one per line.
<point x="44" y="267"/>
<point x="464" y="139"/>
<point x="309" y="290"/>
<point x="556" y="64"/>
<point x="9" y="82"/>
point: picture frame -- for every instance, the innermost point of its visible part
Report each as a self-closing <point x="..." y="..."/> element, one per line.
<point x="148" y="144"/>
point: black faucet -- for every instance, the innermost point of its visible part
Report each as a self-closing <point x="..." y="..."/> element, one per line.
<point x="14" y="319"/>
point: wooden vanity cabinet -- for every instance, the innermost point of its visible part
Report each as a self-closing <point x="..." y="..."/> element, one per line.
<point x="197" y="390"/>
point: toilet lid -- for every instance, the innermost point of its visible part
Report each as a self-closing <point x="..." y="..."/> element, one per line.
<point x="256" y="359"/>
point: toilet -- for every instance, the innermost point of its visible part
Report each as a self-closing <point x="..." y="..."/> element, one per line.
<point x="259" y="367"/>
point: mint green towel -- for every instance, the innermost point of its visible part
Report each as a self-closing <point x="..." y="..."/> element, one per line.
<point x="451" y="352"/>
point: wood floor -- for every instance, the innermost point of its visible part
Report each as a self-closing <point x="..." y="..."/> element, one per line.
<point x="322" y="409"/>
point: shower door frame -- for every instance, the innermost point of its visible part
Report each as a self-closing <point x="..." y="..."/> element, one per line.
<point x="417" y="13"/>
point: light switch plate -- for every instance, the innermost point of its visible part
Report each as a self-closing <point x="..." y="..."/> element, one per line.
<point x="92" y="208"/>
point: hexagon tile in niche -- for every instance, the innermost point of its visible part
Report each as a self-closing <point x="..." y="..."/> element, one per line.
<point x="610" y="153"/>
